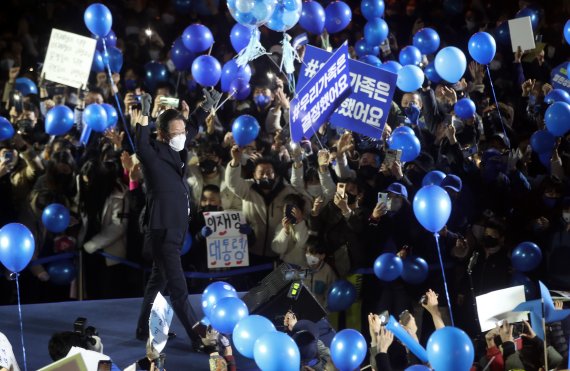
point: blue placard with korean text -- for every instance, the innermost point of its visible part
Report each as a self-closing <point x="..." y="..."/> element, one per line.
<point x="320" y="95"/>
<point x="560" y="78"/>
<point x="366" y="109"/>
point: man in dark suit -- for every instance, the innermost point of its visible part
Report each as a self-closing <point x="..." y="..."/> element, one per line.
<point x="163" y="162"/>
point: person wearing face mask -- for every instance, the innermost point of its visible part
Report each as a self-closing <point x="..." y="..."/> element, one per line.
<point x="208" y="171"/>
<point x="163" y="161"/>
<point x="315" y="182"/>
<point x="322" y="275"/>
<point x="291" y="237"/>
<point x="270" y="108"/>
<point x="557" y="252"/>
<point x="263" y="199"/>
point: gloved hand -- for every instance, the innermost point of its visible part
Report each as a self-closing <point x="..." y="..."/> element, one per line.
<point x="245" y="229"/>
<point x="206" y="231"/>
<point x="211" y="99"/>
<point x="146" y="103"/>
<point x="412" y="112"/>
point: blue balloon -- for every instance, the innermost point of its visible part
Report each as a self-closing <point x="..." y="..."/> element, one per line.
<point x="410" y="78"/>
<point x="531" y="12"/>
<point x="276" y="351"/>
<point x="415" y="270"/>
<point x="432" y="207"/>
<point x="431" y="73"/>
<point x="542" y="141"/>
<point x="26" y="86"/>
<point x="98" y="64"/>
<point x="375" y="31"/>
<point x="95" y="117"/>
<point x="410" y="55"/>
<point x="567" y="31"/>
<point x="405" y="338"/>
<point x="526" y="257"/>
<point x="17" y="246"/>
<point x="337" y="16"/>
<point x="426" y="40"/>
<point x="286" y="15"/>
<point x="372" y="9"/>
<point x="232" y="71"/>
<point x="418" y="368"/>
<point x="114" y="57"/>
<point x="187" y="244"/>
<point x="215" y="292"/>
<point x="545" y="158"/>
<point x="388" y="267"/>
<point x="557" y="118"/>
<point x="226" y="314"/>
<point x="59" y="120"/>
<point x="404" y="129"/>
<point x="55" y="218"/>
<point x="340" y="296"/>
<point x="371" y="60"/>
<point x="240" y="35"/>
<point x="251" y="13"/>
<point x="313" y="17"/>
<point x="206" y="70"/>
<point x="434" y="177"/>
<point x="391" y="66"/>
<point x="245" y="129"/>
<point x="98" y="19"/>
<point x="362" y="48"/>
<point x="409" y="144"/>
<point x="450" y="349"/>
<point x="348" y="350"/>
<point x="464" y="108"/>
<point x="62" y="272"/>
<point x="248" y="330"/>
<point x="112" y="115"/>
<point x="450" y="64"/>
<point x="557" y="95"/>
<point x="502" y="33"/>
<point x="482" y="47"/>
<point x="180" y="56"/>
<point x="110" y="41"/>
<point x="6" y="129"/>
<point x="197" y="38"/>
<point x="85" y="135"/>
<point x="240" y="88"/>
<point x="530" y="287"/>
<point x="155" y="73"/>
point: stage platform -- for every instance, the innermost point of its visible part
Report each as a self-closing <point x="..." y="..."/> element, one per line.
<point x="114" y="319"/>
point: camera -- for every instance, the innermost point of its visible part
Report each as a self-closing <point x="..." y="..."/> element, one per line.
<point x="87" y="332"/>
<point x="423" y="300"/>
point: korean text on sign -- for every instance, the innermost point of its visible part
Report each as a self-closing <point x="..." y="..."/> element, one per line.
<point x="226" y="246"/>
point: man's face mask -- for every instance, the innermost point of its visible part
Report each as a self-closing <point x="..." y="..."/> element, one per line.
<point x="396" y="204"/>
<point x="351" y="199"/>
<point x="262" y="100"/>
<point x="314" y="190"/>
<point x="25" y="125"/>
<point x="265" y="183"/>
<point x="312" y="260"/>
<point x="490" y="241"/>
<point x="177" y="142"/>
<point x="566" y="216"/>
<point x="210" y="208"/>
<point x="208" y="166"/>
<point x="367" y="171"/>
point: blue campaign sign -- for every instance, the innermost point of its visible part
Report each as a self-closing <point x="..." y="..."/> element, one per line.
<point x="320" y="95"/>
<point x="365" y="110"/>
<point x="560" y="78"/>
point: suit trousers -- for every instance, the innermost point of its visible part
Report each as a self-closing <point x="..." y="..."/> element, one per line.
<point x="167" y="273"/>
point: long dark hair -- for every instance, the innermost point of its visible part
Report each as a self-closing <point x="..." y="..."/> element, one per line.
<point x="55" y="179"/>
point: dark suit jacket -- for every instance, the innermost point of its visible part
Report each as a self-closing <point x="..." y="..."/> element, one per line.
<point x="167" y="192"/>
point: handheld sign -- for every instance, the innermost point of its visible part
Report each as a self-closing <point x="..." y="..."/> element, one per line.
<point x="159" y="322"/>
<point x="226" y="246"/>
<point x="68" y="59"/>
<point x="521" y="33"/>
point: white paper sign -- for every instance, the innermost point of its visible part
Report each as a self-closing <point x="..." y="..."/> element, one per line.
<point x="521" y="34"/>
<point x="159" y="322"/>
<point x="226" y="246"/>
<point x="68" y="59"/>
<point x="498" y="305"/>
<point x="7" y="358"/>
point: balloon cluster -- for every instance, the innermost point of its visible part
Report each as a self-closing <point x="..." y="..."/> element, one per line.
<point x="389" y="267"/>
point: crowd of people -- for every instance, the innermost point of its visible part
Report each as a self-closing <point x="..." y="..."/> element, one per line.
<point x="502" y="192"/>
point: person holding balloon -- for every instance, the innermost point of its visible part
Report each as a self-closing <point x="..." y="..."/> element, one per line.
<point x="163" y="162"/>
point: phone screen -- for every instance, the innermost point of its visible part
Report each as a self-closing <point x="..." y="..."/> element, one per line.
<point x="341" y="189"/>
<point x="104" y="366"/>
<point x="289" y="214"/>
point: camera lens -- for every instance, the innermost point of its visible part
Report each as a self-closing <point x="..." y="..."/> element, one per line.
<point x="423" y="300"/>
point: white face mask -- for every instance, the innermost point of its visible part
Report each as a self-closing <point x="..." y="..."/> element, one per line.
<point x="312" y="260"/>
<point x="177" y="143"/>
<point x="314" y="190"/>
<point x="566" y="216"/>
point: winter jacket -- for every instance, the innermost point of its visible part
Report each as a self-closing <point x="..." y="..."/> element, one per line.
<point x="196" y="182"/>
<point x="291" y="247"/>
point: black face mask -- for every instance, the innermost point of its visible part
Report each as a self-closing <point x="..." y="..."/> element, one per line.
<point x="25" y="125"/>
<point x="210" y="208"/>
<point x="415" y="177"/>
<point x="489" y="241"/>
<point x="265" y="184"/>
<point x="350" y="199"/>
<point x="367" y="172"/>
<point x="208" y="166"/>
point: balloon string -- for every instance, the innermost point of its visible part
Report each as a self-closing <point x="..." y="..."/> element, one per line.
<point x="116" y="95"/>
<point x="497" y="105"/>
<point x="224" y="101"/>
<point x="178" y="82"/>
<point x="444" y="279"/>
<point x="317" y="136"/>
<point x="21" y="322"/>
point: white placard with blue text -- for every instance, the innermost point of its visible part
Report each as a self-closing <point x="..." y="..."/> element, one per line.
<point x="159" y="322"/>
<point x="320" y="96"/>
<point x="366" y="109"/>
<point x="226" y="246"/>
